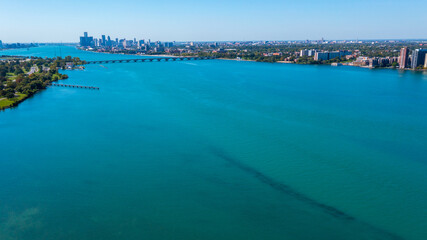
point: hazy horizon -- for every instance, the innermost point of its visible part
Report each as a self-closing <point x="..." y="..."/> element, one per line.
<point x="189" y="20"/>
<point x="256" y="40"/>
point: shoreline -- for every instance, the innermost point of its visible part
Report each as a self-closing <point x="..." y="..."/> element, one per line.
<point x="245" y="60"/>
<point x="235" y="59"/>
<point x="129" y="54"/>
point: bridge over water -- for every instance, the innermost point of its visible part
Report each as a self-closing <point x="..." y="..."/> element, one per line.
<point x="160" y="59"/>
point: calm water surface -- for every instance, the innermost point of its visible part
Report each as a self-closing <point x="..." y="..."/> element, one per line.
<point x="216" y="150"/>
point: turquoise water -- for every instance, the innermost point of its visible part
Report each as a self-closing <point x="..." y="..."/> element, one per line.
<point x="216" y="150"/>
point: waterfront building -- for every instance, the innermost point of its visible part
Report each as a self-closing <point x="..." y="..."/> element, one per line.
<point x="384" y="62"/>
<point x="303" y="53"/>
<point x="373" y="62"/>
<point x="321" y="56"/>
<point x="311" y="52"/>
<point x="333" y="55"/>
<point x="86" y="41"/>
<point x="418" y="57"/>
<point x="403" y="58"/>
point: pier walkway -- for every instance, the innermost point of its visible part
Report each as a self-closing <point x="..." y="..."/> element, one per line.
<point x="74" y="86"/>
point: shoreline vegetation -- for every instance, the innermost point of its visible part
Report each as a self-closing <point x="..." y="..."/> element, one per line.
<point x="21" y="78"/>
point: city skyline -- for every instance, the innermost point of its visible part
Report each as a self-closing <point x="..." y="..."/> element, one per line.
<point x="188" y="20"/>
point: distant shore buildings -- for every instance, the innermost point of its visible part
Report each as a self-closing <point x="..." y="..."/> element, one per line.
<point x="372" y="54"/>
<point x="16" y="45"/>
<point x="107" y="43"/>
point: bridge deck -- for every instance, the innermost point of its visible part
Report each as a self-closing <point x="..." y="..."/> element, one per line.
<point x="165" y="59"/>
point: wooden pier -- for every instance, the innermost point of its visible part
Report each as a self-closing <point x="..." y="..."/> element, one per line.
<point x="74" y="86"/>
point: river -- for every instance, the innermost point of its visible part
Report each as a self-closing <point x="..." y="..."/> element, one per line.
<point x="216" y="149"/>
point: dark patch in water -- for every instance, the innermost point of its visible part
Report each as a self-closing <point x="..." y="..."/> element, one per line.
<point x="288" y="190"/>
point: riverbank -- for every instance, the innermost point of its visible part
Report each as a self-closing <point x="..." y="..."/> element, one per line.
<point x="12" y="102"/>
<point x="231" y="59"/>
<point x="21" y="79"/>
<point x="130" y="54"/>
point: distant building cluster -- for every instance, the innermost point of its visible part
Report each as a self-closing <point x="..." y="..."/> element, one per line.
<point x="16" y="45"/>
<point x="363" y="53"/>
<point x="89" y="42"/>
<point x="418" y="59"/>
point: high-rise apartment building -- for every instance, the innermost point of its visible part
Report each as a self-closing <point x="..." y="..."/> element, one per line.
<point x="303" y="53"/>
<point x="418" y="58"/>
<point x="320" y="56"/>
<point x="403" y="58"/>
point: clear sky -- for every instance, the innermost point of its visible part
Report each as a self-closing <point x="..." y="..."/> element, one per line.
<point x="214" y="20"/>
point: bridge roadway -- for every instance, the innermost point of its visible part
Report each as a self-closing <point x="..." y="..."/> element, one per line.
<point x="165" y="59"/>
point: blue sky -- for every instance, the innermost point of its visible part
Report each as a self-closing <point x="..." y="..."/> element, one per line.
<point x="214" y="20"/>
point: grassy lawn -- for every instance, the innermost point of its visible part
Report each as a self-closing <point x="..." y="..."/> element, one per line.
<point x="10" y="76"/>
<point x="5" y="103"/>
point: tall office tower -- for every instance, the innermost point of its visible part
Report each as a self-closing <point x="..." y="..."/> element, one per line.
<point x="86" y="41"/>
<point x="403" y="58"/>
<point x="418" y="57"/>
<point x="1" y="44"/>
<point x="109" y="41"/>
<point x="104" y="43"/>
